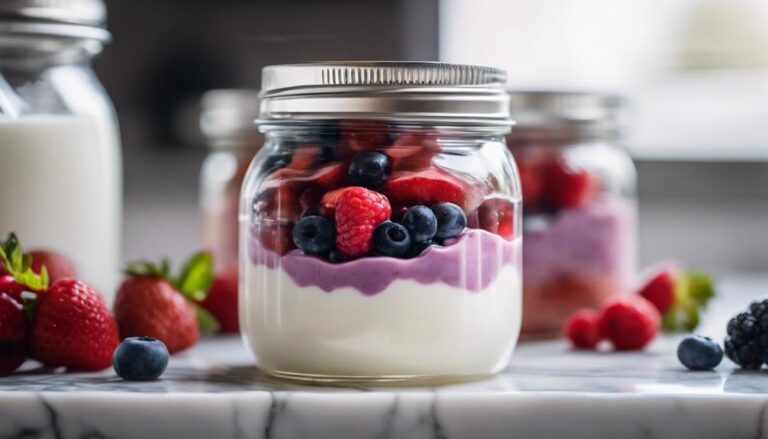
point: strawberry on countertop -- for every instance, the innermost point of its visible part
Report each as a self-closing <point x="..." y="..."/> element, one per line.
<point x="221" y="302"/>
<point x="58" y="265"/>
<point x="14" y="333"/>
<point x="20" y="275"/>
<point x="73" y="328"/>
<point x="153" y="303"/>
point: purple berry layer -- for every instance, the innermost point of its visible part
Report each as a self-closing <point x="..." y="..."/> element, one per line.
<point x="471" y="262"/>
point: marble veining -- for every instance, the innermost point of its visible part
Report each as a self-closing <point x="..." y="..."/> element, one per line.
<point x="548" y="391"/>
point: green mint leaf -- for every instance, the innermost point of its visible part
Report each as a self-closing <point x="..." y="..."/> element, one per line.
<point x="206" y="320"/>
<point x="196" y="276"/>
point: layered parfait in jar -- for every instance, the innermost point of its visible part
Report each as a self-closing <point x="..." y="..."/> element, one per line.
<point x="380" y="224"/>
<point x="579" y="213"/>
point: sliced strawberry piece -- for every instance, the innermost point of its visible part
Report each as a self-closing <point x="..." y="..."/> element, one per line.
<point x="496" y="215"/>
<point x="328" y="202"/>
<point x="412" y="152"/>
<point x="429" y="187"/>
<point x="568" y="186"/>
<point x="277" y="237"/>
<point x="329" y="177"/>
<point x="305" y="157"/>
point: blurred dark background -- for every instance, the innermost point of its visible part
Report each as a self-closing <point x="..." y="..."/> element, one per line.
<point x="706" y="209"/>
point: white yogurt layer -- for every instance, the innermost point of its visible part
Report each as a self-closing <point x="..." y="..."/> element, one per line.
<point x="409" y="329"/>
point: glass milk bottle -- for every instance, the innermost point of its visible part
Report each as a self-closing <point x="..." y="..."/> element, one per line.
<point x="60" y="172"/>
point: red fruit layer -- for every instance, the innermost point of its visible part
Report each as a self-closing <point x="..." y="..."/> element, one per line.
<point x="568" y="186"/>
<point x="412" y="152"/>
<point x="496" y="215"/>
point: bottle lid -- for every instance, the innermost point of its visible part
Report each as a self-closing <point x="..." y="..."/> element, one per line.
<point x="66" y="18"/>
<point x="451" y="94"/>
<point x="227" y="117"/>
<point x="568" y="110"/>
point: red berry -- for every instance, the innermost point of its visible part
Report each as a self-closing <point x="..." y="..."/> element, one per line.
<point x="361" y="136"/>
<point x="497" y="215"/>
<point x="72" y="328"/>
<point x="57" y="265"/>
<point x="222" y="302"/>
<point x="14" y="333"/>
<point x="583" y="329"/>
<point x="532" y="183"/>
<point x="659" y="288"/>
<point x="150" y="306"/>
<point x="328" y="177"/>
<point x="629" y="322"/>
<point x="278" y="203"/>
<point x="568" y="186"/>
<point x="304" y="157"/>
<point x="358" y="212"/>
<point x="429" y="187"/>
<point x="9" y="286"/>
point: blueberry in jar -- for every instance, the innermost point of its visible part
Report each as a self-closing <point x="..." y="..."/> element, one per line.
<point x="370" y="169"/>
<point x="697" y="352"/>
<point x="314" y="234"/>
<point x="140" y="359"/>
<point x="421" y="223"/>
<point x="451" y="220"/>
<point x="391" y="239"/>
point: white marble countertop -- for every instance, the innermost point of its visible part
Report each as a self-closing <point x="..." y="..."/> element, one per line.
<point x="548" y="390"/>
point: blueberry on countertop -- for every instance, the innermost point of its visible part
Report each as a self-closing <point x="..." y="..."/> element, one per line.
<point x="314" y="234"/>
<point x="697" y="352"/>
<point x="421" y="223"/>
<point x="451" y="220"/>
<point x="391" y="239"/>
<point x="140" y="359"/>
<point x="370" y="169"/>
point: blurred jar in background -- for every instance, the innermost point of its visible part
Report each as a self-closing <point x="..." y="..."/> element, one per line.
<point x="579" y="205"/>
<point x="228" y="122"/>
<point x="60" y="168"/>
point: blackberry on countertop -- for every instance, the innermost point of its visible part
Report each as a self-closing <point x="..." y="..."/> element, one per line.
<point x="744" y="344"/>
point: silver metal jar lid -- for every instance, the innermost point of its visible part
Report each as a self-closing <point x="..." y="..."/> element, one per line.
<point x="227" y="117"/>
<point x="448" y="94"/>
<point x="573" y="110"/>
<point x="66" y="18"/>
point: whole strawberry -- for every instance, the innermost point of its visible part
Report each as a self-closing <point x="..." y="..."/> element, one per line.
<point x="151" y="303"/>
<point x="629" y="322"/>
<point x="222" y="302"/>
<point x="58" y="265"/>
<point x="14" y="332"/>
<point x="73" y="328"/>
<point x="358" y="212"/>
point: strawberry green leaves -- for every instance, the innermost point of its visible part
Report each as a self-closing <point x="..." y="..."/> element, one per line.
<point x="193" y="282"/>
<point x="693" y="291"/>
<point x="196" y="276"/>
<point x="19" y="265"/>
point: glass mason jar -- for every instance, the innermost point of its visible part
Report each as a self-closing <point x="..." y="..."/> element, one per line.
<point x="380" y="234"/>
<point x="579" y="216"/>
<point x="227" y="121"/>
<point x="60" y="172"/>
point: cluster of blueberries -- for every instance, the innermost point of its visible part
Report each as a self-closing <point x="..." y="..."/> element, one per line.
<point x="419" y="228"/>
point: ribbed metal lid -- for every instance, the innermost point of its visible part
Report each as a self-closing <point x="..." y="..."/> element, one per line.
<point x="66" y="18"/>
<point x="400" y="91"/>
<point x="227" y="117"/>
<point x="566" y="109"/>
